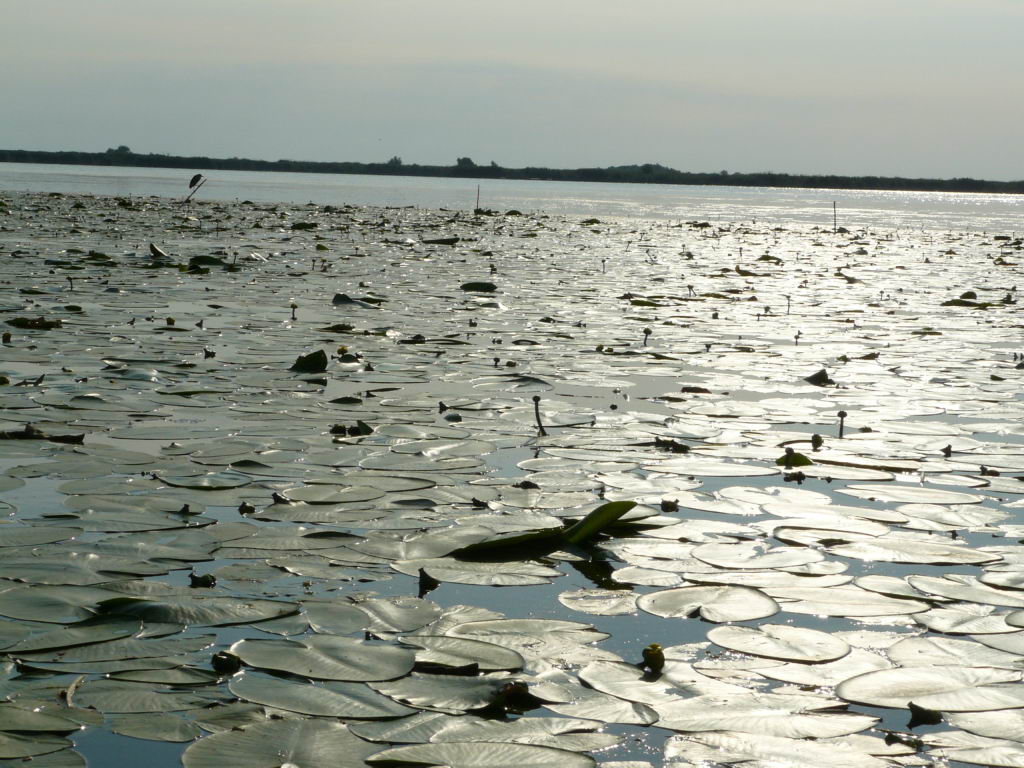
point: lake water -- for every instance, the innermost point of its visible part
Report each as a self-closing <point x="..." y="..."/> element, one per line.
<point x="856" y="209"/>
<point x="954" y="387"/>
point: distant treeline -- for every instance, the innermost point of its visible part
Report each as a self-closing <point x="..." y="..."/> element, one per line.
<point x="464" y="167"/>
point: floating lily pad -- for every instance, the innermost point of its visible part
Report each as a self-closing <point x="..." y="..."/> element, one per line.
<point x="198" y="611"/>
<point x="711" y="603"/>
<point x="898" y="687"/>
<point x="326" y="657"/>
<point x="781" y="641"/>
<point x="460" y="652"/>
<point x="352" y="700"/>
<point x="306" y="743"/>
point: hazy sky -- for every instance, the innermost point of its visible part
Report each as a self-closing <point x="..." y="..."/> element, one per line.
<point x="886" y="87"/>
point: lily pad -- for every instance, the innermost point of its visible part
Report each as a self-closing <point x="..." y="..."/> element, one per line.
<point x="305" y="743"/>
<point x="478" y="754"/>
<point x="349" y="700"/>
<point x="326" y="657"/>
<point x="711" y="603"/>
<point x="781" y="641"/>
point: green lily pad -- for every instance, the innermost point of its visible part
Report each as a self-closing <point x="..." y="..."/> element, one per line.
<point x="711" y="603"/>
<point x="279" y="743"/>
<point x="326" y="657"/>
<point x="477" y="754"/>
<point x="348" y="700"/>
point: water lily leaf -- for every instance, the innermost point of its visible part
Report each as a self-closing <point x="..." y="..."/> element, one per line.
<point x="481" y="754"/>
<point x="25" y="536"/>
<point x="172" y="676"/>
<point x="765" y="579"/>
<point x="842" y="601"/>
<point x="393" y="462"/>
<point x="897" y="687"/>
<point x="533" y="638"/>
<point x="331" y="494"/>
<point x="211" y="481"/>
<point x="415" y="729"/>
<point x="597" y="521"/>
<point x="495" y="574"/>
<point x="64" y="758"/>
<point x="1003" y="755"/>
<point x="197" y="611"/>
<point x="600" y="602"/>
<point x="536" y="498"/>
<point x="83" y="633"/>
<point x="353" y="700"/>
<point x="317" y="568"/>
<point x="15" y="718"/>
<point x="709" y="468"/>
<point x="979" y="699"/>
<point x="52" y="604"/>
<point x="334" y="618"/>
<point x="325" y="657"/>
<point x="965" y="619"/>
<point x="712" y="603"/>
<point x="751" y="555"/>
<point x="933" y="651"/>
<point x="1005" y="724"/>
<point x="901" y="493"/>
<point x="79" y="568"/>
<point x="1003" y="579"/>
<point x="828" y="675"/>
<point x="594" y="705"/>
<point x="647" y="577"/>
<point x="1012" y="642"/>
<point x="460" y="651"/>
<point x="279" y="743"/>
<point x="229" y="716"/>
<point x="116" y="696"/>
<point x="780" y="641"/>
<point x="441" y="448"/>
<point x="444" y="693"/>
<point x="155" y="727"/>
<point x="15" y="745"/>
<point x="563" y="733"/>
<point x="793" y="509"/>
<point x="888" y="585"/>
<point x="786" y="716"/>
<point x="423" y="545"/>
<point x="940" y="517"/>
<point x="399" y="614"/>
<point x="967" y="589"/>
<point x="891" y="550"/>
<point x="629" y="682"/>
<point x="737" y="747"/>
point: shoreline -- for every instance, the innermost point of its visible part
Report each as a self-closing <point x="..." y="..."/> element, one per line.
<point x="632" y="174"/>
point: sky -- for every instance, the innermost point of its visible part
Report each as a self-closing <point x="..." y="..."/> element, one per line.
<point x="917" y="88"/>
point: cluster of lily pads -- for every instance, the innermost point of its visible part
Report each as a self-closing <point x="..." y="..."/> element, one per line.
<point x="297" y="485"/>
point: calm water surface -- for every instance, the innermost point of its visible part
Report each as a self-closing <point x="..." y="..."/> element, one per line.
<point x="774" y="205"/>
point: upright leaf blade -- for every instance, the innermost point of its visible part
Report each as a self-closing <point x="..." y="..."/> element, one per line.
<point x="597" y="521"/>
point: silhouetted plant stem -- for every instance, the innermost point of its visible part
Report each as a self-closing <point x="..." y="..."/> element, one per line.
<point x="536" y="412"/>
